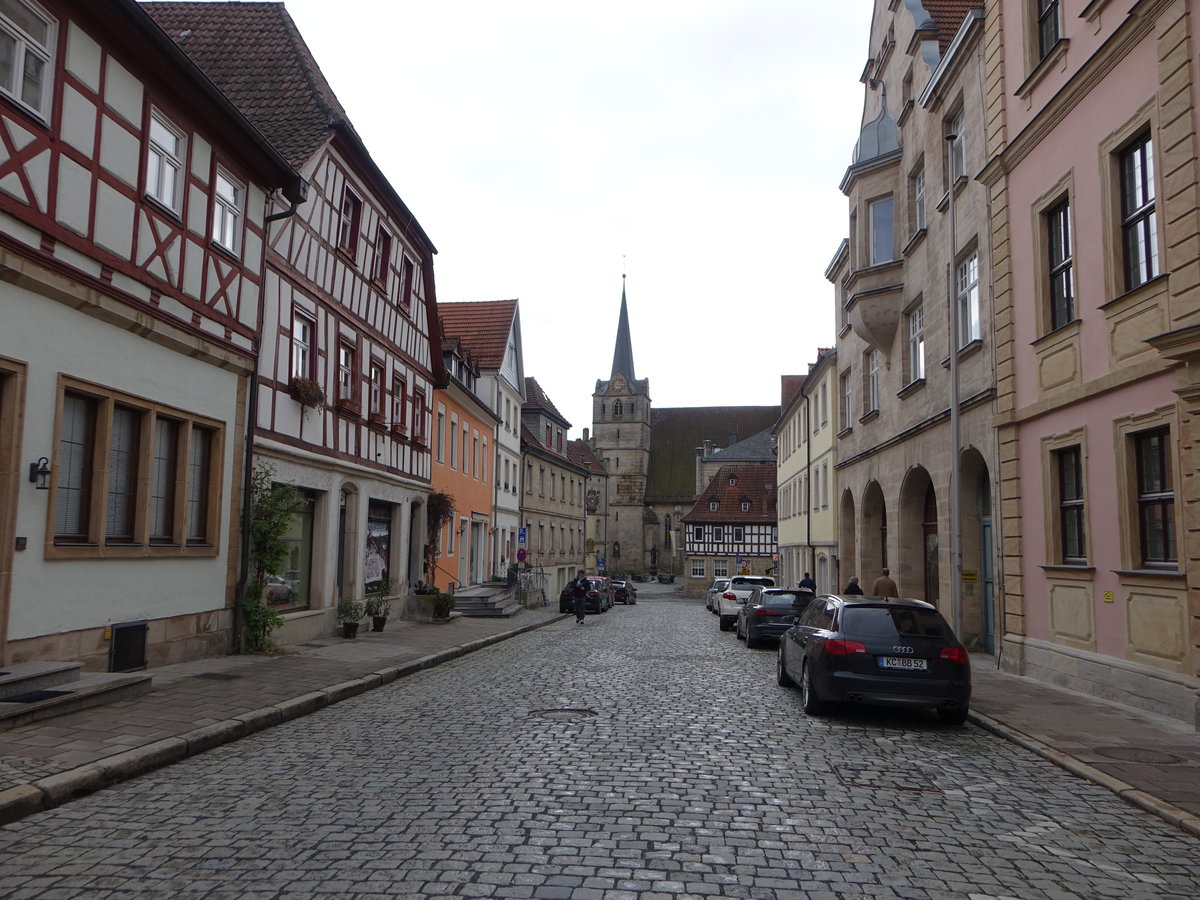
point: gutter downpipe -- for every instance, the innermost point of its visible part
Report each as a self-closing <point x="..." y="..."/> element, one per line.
<point x="809" y="567"/>
<point x="239" y="593"/>
<point x="955" y="513"/>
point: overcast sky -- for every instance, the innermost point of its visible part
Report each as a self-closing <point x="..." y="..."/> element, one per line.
<point x="549" y="147"/>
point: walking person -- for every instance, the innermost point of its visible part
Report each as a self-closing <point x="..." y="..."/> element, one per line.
<point x="807" y="584"/>
<point x="884" y="586"/>
<point x="853" y="587"/>
<point x="579" y="589"/>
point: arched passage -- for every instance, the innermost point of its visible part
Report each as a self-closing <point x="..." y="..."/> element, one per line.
<point x="874" y="533"/>
<point x="917" y="571"/>
<point x="847" y="552"/>
<point x="978" y="626"/>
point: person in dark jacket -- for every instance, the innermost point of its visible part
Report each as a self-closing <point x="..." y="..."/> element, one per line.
<point x="807" y="584"/>
<point x="853" y="587"/>
<point x="579" y="589"/>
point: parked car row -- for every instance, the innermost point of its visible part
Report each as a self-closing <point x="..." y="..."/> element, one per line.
<point x="603" y="593"/>
<point x="877" y="651"/>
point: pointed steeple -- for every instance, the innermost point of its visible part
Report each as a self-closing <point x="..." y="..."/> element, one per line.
<point x="623" y="354"/>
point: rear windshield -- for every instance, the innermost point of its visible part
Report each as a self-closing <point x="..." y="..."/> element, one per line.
<point x="784" y="599"/>
<point x="754" y="582"/>
<point x="887" y="622"/>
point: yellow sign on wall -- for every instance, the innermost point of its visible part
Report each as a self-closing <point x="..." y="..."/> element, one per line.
<point x="970" y="576"/>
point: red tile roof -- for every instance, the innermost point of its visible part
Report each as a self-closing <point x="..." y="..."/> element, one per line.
<point x="482" y="326"/>
<point x="581" y="454"/>
<point x="755" y="485"/>
<point x="949" y="15"/>
<point x="536" y="398"/>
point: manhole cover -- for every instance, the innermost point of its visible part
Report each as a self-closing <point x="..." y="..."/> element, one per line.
<point x="217" y="676"/>
<point x="563" y="713"/>
<point x="872" y="778"/>
<point x="1139" y="755"/>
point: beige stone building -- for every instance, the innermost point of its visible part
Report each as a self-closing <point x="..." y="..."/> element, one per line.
<point x="914" y="320"/>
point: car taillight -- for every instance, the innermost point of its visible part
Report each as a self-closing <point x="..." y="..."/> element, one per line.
<point x="844" y="648"/>
<point x="729" y="595"/>
<point x="954" y="654"/>
<point x="765" y="611"/>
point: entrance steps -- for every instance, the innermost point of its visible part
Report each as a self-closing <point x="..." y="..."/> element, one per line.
<point x="33" y="691"/>
<point x="491" y="600"/>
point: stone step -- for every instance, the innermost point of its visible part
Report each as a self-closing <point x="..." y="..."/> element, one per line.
<point x="88" y="689"/>
<point x="22" y="678"/>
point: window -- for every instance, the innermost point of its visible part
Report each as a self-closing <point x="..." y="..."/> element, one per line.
<point x="1062" y="291"/>
<point x="26" y="49"/>
<point x="846" y="384"/>
<point x="383" y="257"/>
<point x="698" y="568"/>
<point x="718" y="533"/>
<point x="1138" y="219"/>
<point x="164" y="162"/>
<point x="418" y="412"/>
<point x="917" y="186"/>
<point x="376" y="408"/>
<point x="1047" y="26"/>
<point x="721" y="568"/>
<point x="957" y="152"/>
<point x="745" y="506"/>
<point x="440" y="437"/>
<point x="712" y="506"/>
<point x="346" y="376"/>
<point x="132" y="478"/>
<point x="406" y="281"/>
<point x="1155" y="498"/>
<point x="968" y="300"/>
<point x="916" y="344"/>
<point x="453" y="441"/>
<point x="227" y="212"/>
<point x="348" y="227"/>
<point x="698" y="533"/>
<point x="739" y="534"/>
<point x="549" y="437"/>
<point x="399" y="405"/>
<point x="302" y="332"/>
<point x="1072" y="537"/>
<point x="872" y="383"/>
<point x="881" y="231"/>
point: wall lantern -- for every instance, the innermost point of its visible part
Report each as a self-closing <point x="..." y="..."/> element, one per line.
<point x="39" y="474"/>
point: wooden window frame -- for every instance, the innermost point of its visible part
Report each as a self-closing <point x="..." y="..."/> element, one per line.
<point x="24" y="45"/>
<point x="228" y="213"/>
<point x="92" y="541"/>
<point x="349" y="222"/>
<point x="161" y="159"/>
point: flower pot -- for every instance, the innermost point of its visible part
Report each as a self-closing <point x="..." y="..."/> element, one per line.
<point x="377" y="622"/>
<point x="349" y="629"/>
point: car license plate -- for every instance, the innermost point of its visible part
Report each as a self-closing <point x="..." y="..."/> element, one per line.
<point x="902" y="662"/>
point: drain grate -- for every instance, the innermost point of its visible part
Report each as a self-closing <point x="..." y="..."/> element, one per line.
<point x="217" y="676"/>
<point x="1139" y="755"/>
<point x="872" y="778"/>
<point x="35" y="696"/>
<point x="563" y="713"/>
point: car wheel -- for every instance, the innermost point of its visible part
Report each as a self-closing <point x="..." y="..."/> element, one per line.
<point x="751" y="641"/>
<point x="737" y="628"/>
<point x="813" y="705"/>
<point x="781" y="675"/>
<point x="724" y="623"/>
<point x="955" y="716"/>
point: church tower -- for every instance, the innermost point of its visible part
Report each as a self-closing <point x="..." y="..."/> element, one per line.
<point x="621" y="440"/>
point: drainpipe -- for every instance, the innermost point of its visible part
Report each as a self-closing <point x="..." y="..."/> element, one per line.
<point x="808" y="514"/>
<point x="955" y="513"/>
<point x="296" y="194"/>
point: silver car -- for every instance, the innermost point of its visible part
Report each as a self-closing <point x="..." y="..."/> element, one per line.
<point x="717" y="589"/>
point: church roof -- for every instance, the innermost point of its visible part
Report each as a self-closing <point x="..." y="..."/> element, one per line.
<point x="756" y="448"/>
<point x="482" y="326"/>
<point x="753" y="483"/>
<point x="676" y="433"/>
<point x="623" y="352"/>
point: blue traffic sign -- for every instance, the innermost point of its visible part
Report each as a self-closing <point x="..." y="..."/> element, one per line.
<point x="520" y="535"/>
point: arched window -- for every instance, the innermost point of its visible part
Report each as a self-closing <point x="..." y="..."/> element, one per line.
<point x="616" y="549"/>
<point x="617" y="408"/>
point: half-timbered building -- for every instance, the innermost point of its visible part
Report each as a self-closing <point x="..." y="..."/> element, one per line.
<point x="133" y="203"/>
<point x="350" y="346"/>
<point x="732" y="528"/>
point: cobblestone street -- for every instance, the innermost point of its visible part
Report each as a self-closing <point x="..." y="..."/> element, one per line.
<point x="642" y="754"/>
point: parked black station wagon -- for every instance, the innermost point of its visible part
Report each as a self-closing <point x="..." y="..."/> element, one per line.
<point x="878" y="651"/>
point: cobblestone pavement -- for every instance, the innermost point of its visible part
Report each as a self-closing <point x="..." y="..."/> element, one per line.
<point x="642" y="754"/>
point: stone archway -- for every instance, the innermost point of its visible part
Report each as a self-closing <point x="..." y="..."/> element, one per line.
<point x="917" y="571"/>
<point x="847" y="562"/>
<point x="874" y="534"/>
<point x="978" y="614"/>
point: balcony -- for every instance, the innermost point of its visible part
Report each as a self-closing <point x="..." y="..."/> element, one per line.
<point x="875" y="299"/>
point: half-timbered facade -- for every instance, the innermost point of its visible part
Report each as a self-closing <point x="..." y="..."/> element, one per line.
<point x="133" y="199"/>
<point x="491" y="329"/>
<point x="349" y="337"/>
<point x="732" y="528"/>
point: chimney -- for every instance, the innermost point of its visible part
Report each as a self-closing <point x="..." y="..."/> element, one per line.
<point x="585" y="435"/>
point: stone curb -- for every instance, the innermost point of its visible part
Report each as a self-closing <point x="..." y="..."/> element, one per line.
<point x="1127" y="792"/>
<point x="54" y="790"/>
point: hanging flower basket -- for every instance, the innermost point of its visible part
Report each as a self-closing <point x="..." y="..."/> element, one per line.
<point x="306" y="392"/>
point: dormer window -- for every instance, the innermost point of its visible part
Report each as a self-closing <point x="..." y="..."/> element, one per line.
<point x="745" y="506"/>
<point x="712" y="506"/>
<point x="732" y="480"/>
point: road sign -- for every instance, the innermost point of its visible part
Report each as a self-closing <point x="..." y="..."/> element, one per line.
<point x="740" y="560"/>
<point x="521" y="537"/>
<point x="600" y="562"/>
<point x="521" y="555"/>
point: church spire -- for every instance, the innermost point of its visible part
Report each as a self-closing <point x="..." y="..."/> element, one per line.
<point x="623" y="354"/>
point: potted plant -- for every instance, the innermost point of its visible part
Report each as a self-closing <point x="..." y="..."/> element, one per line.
<point x="349" y="611"/>
<point x="378" y="607"/>
<point x="306" y="392"/>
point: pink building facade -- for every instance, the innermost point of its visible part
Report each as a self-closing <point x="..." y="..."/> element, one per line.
<point x="1093" y="187"/>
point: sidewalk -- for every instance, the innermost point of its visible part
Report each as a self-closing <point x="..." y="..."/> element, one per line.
<point x="1151" y="762"/>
